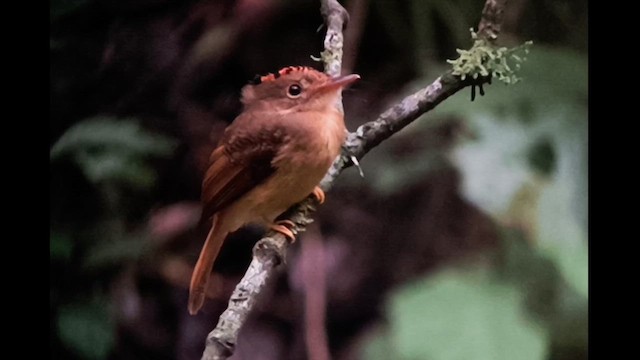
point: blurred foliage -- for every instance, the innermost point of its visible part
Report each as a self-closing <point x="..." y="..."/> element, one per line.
<point x="428" y="22"/>
<point x="544" y="120"/>
<point x="523" y="156"/>
<point x="459" y="315"/>
<point x="113" y="151"/>
<point x="59" y="8"/>
<point x="521" y="151"/>
<point x="117" y="158"/>
<point x="87" y="328"/>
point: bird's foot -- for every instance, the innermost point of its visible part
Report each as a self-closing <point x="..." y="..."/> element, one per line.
<point x="280" y="227"/>
<point x="318" y="194"/>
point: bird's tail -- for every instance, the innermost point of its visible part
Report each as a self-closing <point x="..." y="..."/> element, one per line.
<point x="203" y="267"/>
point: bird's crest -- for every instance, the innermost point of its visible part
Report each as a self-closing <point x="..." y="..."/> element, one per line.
<point x="259" y="79"/>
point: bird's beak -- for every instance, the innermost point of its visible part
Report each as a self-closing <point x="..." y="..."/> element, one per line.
<point x="340" y="82"/>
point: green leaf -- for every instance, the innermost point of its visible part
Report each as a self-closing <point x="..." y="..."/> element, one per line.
<point x="110" y="167"/>
<point x="103" y="133"/>
<point x="573" y="262"/>
<point x="379" y="347"/>
<point x="115" y="251"/>
<point x="462" y="315"/>
<point x="110" y="150"/>
<point x="87" y="329"/>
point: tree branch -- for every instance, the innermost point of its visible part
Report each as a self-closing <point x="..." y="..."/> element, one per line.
<point x="336" y="19"/>
<point x="270" y="251"/>
<point x="491" y="20"/>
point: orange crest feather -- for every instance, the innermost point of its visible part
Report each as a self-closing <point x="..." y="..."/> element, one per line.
<point x="284" y="71"/>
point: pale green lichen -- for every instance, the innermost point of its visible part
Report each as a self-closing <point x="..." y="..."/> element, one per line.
<point x="484" y="59"/>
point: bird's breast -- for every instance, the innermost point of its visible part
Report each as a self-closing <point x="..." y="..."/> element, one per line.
<point x="300" y="164"/>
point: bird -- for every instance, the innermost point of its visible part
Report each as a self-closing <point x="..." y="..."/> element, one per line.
<point x="272" y="156"/>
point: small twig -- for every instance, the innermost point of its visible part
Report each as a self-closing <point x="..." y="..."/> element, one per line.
<point x="491" y="20"/>
<point x="270" y="251"/>
<point x="336" y="18"/>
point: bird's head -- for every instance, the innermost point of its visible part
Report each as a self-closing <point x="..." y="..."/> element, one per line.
<point x="295" y="88"/>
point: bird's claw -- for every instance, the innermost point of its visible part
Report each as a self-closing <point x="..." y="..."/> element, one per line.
<point x="319" y="194"/>
<point x="280" y="227"/>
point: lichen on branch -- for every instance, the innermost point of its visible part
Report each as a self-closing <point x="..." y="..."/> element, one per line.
<point x="485" y="59"/>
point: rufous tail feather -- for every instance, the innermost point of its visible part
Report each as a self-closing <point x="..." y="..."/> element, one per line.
<point x="203" y="267"/>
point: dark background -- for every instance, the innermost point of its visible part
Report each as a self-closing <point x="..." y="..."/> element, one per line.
<point x="466" y="239"/>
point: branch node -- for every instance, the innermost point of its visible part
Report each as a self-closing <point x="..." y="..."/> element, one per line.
<point x="217" y="349"/>
<point x="270" y="250"/>
<point x="355" y="162"/>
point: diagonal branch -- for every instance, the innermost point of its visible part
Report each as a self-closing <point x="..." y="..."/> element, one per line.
<point x="270" y="251"/>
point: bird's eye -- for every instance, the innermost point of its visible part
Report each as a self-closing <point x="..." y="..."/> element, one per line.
<point x="294" y="91"/>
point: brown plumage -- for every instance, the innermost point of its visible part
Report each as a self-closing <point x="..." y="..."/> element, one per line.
<point x="272" y="156"/>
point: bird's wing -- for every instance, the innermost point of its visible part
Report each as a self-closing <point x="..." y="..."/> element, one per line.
<point x="243" y="160"/>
